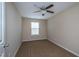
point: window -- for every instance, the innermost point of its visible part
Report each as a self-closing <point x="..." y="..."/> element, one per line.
<point x="34" y="28"/>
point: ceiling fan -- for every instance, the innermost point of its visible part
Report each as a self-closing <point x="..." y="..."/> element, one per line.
<point x="44" y="9"/>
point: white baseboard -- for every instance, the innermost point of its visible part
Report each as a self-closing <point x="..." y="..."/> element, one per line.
<point x="64" y="48"/>
<point x="33" y="40"/>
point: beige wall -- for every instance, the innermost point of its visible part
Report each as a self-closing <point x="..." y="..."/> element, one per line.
<point x="27" y="29"/>
<point x="13" y="28"/>
<point x="63" y="29"/>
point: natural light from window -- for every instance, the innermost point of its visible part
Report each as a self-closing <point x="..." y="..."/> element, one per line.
<point x="34" y="28"/>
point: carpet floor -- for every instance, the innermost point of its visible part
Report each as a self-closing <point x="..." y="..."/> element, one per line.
<point x="42" y="48"/>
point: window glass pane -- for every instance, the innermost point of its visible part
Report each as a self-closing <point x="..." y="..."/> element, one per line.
<point x="34" y="25"/>
<point x="35" y="31"/>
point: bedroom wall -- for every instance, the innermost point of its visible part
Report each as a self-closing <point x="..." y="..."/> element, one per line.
<point x="63" y="29"/>
<point x="26" y="30"/>
<point x="13" y="29"/>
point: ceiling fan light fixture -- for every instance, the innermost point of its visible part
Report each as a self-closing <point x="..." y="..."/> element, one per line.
<point x="43" y="14"/>
<point x="43" y="11"/>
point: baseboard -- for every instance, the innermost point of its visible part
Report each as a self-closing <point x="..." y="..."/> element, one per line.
<point x="65" y="48"/>
<point x="33" y="40"/>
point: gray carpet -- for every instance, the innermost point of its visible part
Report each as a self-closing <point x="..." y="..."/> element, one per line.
<point x="42" y="48"/>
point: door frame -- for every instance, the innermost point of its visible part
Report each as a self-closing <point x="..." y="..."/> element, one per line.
<point x="4" y="29"/>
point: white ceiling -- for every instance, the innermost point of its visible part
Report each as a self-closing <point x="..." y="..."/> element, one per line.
<point x="27" y="8"/>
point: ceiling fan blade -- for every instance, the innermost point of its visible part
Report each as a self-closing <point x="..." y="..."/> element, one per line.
<point x="49" y="6"/>
<point x="37" y="11"/>
<point x="50" y="11"/>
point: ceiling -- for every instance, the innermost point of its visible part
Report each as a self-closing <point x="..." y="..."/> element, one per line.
<point x="27" y="9"/>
